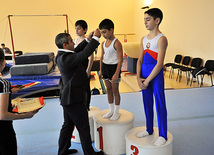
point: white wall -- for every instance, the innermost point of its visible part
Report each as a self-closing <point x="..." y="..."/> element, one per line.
<point x="187" y="25"/>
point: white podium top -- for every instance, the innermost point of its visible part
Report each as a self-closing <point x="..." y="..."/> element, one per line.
<point x="125" y="117"/>
<point x="93" y="111"/>
<point x="148" y="141"/>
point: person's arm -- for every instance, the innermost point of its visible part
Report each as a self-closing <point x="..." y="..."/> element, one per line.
<point x="80" y="46"/>
<point x="85" y="53"/>
<point x="5" y="115"/>
<point x="139" y="64"/>
<point x="119" y="49"/>
<point x="15" y="90"/>
<point x="101" y="61"/>
<point x="162" y="45"/>
<point x="90" y="63"/>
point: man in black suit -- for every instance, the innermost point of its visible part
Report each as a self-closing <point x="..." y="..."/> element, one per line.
<point x="73" y="92"/>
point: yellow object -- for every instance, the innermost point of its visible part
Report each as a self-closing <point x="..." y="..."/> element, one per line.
<point x="22" y="105"/>
<point x="132" y="49"/>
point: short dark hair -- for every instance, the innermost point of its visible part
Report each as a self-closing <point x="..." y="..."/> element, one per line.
<point x="106" y="24"/>
<point x="2" y="44"/>
<point x="82" y="23"/>
<point x="2" y="57"/>
<point x="155" y="13"/>
<point x="61" y="39"/>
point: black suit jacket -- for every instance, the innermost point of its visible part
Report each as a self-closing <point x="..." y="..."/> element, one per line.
<point x="74" y="77"/>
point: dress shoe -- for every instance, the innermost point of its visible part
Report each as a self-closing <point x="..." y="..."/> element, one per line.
<point x="71" y="151"/>
<point x="98" y="153"/>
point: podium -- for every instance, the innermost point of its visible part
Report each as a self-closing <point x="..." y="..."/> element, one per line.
<point x="145" y="145"/>
<point x="110" y="135"/>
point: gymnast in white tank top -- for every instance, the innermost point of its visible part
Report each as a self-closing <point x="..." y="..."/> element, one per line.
<point x="110" y="54"/>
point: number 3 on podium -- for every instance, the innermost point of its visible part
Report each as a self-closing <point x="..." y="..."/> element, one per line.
<point x="135" y="150"/>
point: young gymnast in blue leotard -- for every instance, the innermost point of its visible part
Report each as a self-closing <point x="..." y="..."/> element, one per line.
<point x="150" y="74"/>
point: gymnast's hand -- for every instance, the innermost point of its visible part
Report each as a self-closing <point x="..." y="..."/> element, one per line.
<point x="145" y="84"/>
<point x="114" y="78"/>
<point x="100" y="75"/>
<point x="140" y="82"/>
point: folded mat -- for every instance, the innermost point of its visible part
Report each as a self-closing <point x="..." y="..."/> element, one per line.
<point x="31" y="69"/>
<point x="32" y="58"/>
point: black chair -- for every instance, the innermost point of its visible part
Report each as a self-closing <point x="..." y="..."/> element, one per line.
<point x="208" y="69"/>
<point x="177" y="62"/>
<point x="195" y="63"/>
<point x="185" y="63"/>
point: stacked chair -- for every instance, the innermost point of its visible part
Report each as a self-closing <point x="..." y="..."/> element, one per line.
<point x="195" y="63"/>
<point x="176" y="64"/>
<point x="193" y="67"/>
<point x="185" y="63"/>
<point x="208" y="69"/>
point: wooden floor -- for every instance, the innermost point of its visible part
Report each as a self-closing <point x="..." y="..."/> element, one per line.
<point x="172" y="83"/>
<point x="123" y="86"/>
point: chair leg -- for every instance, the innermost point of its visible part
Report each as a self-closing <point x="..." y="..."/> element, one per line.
<point x="202" y="78"/>
<point x="180" y="76"/>
<point x="188" y="77"/>
<point x="170" y="72"/>
<point x="197" y="79"/>
<point x="191" y="81"/>
<point x="211" y="79"/>
<point x="177" y="75"/>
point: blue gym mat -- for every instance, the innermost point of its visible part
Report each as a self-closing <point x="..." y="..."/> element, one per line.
<point x="47" y="81"/>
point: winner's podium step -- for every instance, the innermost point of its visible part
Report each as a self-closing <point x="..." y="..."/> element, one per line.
<point x="110" y="135"/>
<point x="145" y="145"/>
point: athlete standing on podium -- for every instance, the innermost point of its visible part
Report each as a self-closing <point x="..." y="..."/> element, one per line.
<point x="110" y="67"/>
<point x="150" y="74"/>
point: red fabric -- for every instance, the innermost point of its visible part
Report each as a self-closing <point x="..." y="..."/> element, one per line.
<point x="152" y="53"/>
